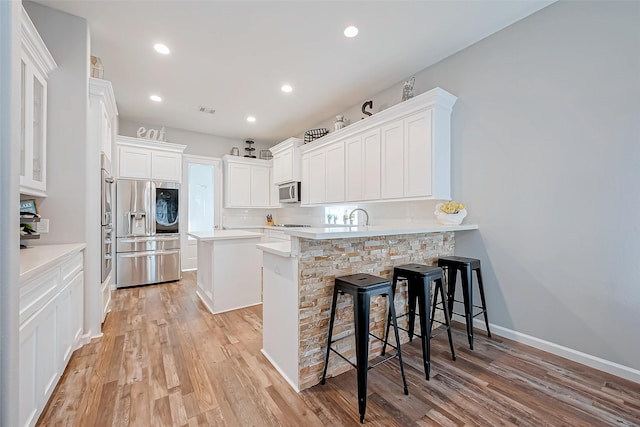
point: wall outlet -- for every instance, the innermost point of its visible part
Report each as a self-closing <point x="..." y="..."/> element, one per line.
<point x="42" y="226"/>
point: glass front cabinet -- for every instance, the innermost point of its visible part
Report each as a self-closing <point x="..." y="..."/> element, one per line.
<point x="35" y="65"/>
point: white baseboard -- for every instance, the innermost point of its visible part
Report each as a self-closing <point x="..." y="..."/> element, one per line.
<point x="275" y="365"/>
<point x="595" y="362"/>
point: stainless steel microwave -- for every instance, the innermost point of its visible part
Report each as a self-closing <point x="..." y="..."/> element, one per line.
<point x="289" y="192"/>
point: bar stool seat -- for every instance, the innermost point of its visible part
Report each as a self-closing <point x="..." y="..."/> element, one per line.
<point x="419" y="278"/>
<point x="453" y="264"/>
<point x="362" y="287"/>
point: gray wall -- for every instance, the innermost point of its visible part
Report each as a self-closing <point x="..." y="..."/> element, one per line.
<point x="66" y="36"/>
<point x="545" y="153"/>
<point x="200" y="144"/>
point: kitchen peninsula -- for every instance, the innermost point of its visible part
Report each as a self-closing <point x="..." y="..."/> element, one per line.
<point x="228" y="269"/>
<point x="298" y="286"/>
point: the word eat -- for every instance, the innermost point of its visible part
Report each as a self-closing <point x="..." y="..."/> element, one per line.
<point x="153" y="134"/>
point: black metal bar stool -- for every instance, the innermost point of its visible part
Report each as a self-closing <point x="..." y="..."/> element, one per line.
<point x="362" y="287"/>
<point x="453" y="264"/>
<point x="419" y="278"/>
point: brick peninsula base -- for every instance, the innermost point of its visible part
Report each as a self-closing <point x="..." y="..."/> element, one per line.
<point x="320" y="261"/>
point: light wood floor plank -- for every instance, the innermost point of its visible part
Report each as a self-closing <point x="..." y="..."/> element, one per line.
<point x="164" y="360"/>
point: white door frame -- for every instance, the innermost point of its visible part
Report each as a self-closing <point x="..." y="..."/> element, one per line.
<point x="10" y="21"/>
<point x="217" y="194"/>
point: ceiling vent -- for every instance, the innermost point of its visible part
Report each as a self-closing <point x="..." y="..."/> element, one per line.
<point x="207" y="110"/>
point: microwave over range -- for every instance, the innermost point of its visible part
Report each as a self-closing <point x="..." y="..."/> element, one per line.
<point x="289" y="192"/>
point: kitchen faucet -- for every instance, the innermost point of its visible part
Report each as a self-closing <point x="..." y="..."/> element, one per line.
<point x="366" y="222"/>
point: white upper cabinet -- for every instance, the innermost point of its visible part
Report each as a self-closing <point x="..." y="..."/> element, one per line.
<point x="392" y="170"/>
<point x="286" y="161"/>
<point x="362" y="166"/>
<point x="401" y="153"/>
<point x="335" y="173"/>
<point x="144" y="159"/>
<point x="35" y="65"/>
<point x="103" y="114"/>
<point x="247" y="183"/>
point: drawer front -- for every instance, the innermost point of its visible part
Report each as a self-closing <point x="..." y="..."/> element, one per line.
<point x="277" y="235"/>
<point x="37" y="292"/>
<point x="71" y="267"/>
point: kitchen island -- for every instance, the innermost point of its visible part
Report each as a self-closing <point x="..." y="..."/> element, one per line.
<point x="229" y="274"/>
<point x="298" y="288"/>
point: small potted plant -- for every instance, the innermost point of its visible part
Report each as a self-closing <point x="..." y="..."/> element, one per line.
<point x="450" y="213"/>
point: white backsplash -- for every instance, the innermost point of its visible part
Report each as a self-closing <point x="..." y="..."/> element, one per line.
<point x="388" y="213"/>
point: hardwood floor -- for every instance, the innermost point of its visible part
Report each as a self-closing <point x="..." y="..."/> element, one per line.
<point x="164" y="360"/>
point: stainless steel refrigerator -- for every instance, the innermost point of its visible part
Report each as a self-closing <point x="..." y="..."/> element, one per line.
<point x="147" y="232"/>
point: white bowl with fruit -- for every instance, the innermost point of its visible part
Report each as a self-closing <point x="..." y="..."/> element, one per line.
<point x="450" y="213"/>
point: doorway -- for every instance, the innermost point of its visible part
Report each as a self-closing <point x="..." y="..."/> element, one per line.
<point x="201" y="203"/>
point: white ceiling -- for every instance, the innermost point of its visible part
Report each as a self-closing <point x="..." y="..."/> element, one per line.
<point x="235" y="55"/>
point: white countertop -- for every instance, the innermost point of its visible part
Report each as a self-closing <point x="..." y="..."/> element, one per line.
<point x="282" y="248"/>
<point x="35" y="259"/>
<point x="322" y="233"/>
<point x="224" y="235"/>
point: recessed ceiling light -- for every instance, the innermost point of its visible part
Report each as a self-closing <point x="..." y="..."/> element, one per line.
<point x="350" y="31"/>
<point x="155" y="98"/>
<point x="251" y="119"/>
<point x="161" y="48"/>
<point x="286" y="88"/>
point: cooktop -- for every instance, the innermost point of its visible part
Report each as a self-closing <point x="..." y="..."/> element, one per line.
<point x="291" y="225"/>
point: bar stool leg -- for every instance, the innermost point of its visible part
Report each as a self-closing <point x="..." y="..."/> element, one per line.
<point x="411" y="296"/>
<point x="391" y="303"/>
<point x="447" y="317"/>
<point x="451" y="286"/>
<point x="392" y="309"/>
<point x="468" y="303"/>
<point x="484" y="304"/>
<point x="361" y="318"/>
<point x="331" y="318"/>
<point x="423" y="299"/>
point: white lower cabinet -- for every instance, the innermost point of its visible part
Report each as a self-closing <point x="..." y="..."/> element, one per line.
<point x="39" y="364"/>
<point x="51" y="325"/>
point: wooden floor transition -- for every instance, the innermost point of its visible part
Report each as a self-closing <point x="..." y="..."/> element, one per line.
<point x="164" y="360"/>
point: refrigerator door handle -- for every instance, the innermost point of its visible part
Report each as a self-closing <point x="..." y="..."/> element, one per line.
<point x="152" y="208"/>
<point x="148" y="253"/>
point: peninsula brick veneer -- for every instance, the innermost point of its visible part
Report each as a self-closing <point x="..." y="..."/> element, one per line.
<point x="320" y="261"/>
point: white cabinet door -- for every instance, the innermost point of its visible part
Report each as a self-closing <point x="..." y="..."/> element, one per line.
<point x="392" y="170"/>
<point x="335" y="173"/>
<point x="238" y="186"/>
<point x="371" y="146"/>
<point x="106" y="131"/>
<point x="283" y="167"/>
<point x="77" y="312"/>
<point x="418" y="157"/>
<point x="27" y="373"/>
<point x="260" y="187"/>
<point x="274" y="196"/>
<point x="166" y="166"/>
<point x="33" y="143"/>
<point x="65" y="334"/>
<point x="134" y="163"/>
<point x="317" y="177"/>
<point x="306" y="177"/>
<point x="353" y="148"/>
